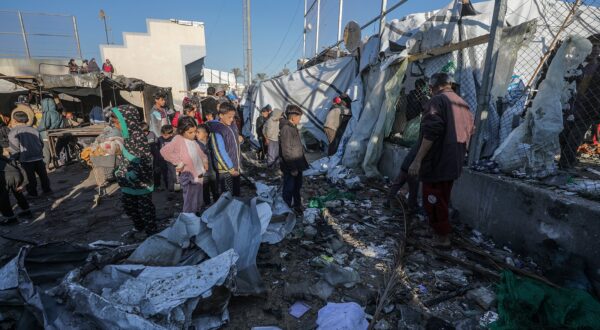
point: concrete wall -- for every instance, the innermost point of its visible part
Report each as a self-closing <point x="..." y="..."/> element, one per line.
<point x="30" y="67"/>
<point x="159" y="56"/>
<point x="518" y="214"/>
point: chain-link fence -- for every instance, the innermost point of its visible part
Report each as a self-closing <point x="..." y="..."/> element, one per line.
<point x="38" y="35"/>
<point x="543" y="123"/>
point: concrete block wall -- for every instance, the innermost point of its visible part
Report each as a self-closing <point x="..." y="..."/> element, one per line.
<point x="517" y="214"/>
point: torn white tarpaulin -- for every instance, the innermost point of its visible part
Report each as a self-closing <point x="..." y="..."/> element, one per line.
<point x="532" y="146"/>
<point x="145" y="297"/>
<point x="312" y="89"/>
<point x="228" y="224"/>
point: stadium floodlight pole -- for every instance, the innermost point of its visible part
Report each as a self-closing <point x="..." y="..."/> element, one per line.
<point x="339" y="35"/>
<point x="103" y="17"/>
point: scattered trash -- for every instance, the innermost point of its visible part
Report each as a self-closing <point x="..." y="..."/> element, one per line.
<point x="410" y="318"/>
<point x="298" y="309"/>
<point x="374" y="251"/>
<point x="352" y="183"/>
<point x="266" y="328"/>
<point x="422" y="289"/>
<point x="382" y="325"/>
<point x="484" y="297"/>
<point x="311" y="215"/>
<point x="342" y="316"/>
<point x="488" y="318"/>
<point x="319" y="202"/>
<point x="336" y="275"/>
<point x="389" y="308"/>
<point x="452" y="275"/>
<point x="310" y="231"/>
<point x="303" y="290"/>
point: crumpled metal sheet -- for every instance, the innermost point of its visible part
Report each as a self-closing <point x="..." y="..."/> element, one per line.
<point x="23" y="279"/>
<point x="231" y="223"/>
<point x="87" y="80"/>
<point x="146" y="297"/>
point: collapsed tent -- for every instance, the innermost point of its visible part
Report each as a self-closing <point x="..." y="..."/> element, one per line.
<point x="531" y="28"/>
<point x="179" y="278"/>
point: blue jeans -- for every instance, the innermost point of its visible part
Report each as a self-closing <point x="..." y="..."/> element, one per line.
<point x="291" y="189"/>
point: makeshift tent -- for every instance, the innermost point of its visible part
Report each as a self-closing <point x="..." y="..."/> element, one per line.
<point x="312" y="89"/>
<point x="531" y="28"/>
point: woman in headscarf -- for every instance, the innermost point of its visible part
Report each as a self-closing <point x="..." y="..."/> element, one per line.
<point x="134" y="170"/>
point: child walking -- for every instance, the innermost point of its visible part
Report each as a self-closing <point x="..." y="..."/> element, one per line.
<point x="134" y="170"/>
<point x="166" y="169"/>
<point x="191" y="164"/>
<point x="210" y="178"/>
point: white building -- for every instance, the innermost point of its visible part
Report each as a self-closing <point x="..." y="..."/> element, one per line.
<point x="170" y="54"/>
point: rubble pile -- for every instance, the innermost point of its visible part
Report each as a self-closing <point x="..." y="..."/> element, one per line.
<point x="252" y="263"/>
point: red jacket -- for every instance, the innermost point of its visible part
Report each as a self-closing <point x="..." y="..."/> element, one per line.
<point x="175" y="120"/>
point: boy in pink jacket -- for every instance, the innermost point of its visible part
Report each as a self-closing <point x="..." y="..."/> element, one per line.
<point x="190" y="163"/>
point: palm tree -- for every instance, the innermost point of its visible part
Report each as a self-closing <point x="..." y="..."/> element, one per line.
<point x="237" y="72"/>
<point x="261" y="76"/>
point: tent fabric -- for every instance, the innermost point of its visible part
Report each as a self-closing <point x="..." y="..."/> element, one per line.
<point x="312" y="89"/>
<point x="524" y="303"/>
<point x="374" y="89"/>
<point x="385" y="121"/>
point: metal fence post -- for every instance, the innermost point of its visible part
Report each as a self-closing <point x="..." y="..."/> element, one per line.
<point x="318" y="25"/>
<point x="77" y="37"/>
<point x="483" y="97"/>
<point x="27" y="53"/>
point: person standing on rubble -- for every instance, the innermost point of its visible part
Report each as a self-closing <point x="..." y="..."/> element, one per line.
<point x="337" y="119"/>
<point x="271" y="132"/>
<point x="108" y="68"/>
<point x="260" y="125"/>
<point x="293" y="161"/>
<point x="159" y="116"/>
<point x="225" y="143"/>
<point x="134" y="171"/>
<point x="446" y="127"/>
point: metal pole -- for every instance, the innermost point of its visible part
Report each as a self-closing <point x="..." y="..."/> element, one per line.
<point x="106" y="30"/>
<point x="483" y="99"/>
<point x="318" y="23"/>
<point x="339" y="35"/>
<point x="304" y="33"/>
<point x="27" y="53"/>
<point x="77" y="37"/>
<point x="382" y="17"/>
<point x="248" y="40"/>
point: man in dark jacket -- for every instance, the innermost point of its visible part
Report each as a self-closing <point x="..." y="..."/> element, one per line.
<point x="260" y="124"/>
<point x="446" y="127"/>
<point x="4" y="130"/>
<point x="293" y="161"/>
<point x="209" y="104"/>
<point x="225" y="143"/>
<point x="12" y="180"/>
<point x="25" y="145"/>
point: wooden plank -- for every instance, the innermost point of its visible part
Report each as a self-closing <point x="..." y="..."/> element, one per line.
<point x="449" y="48"/>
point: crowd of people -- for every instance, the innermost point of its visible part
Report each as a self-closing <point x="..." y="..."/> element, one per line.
<point x="197" y="151"/>
<point x="90" y="66"/>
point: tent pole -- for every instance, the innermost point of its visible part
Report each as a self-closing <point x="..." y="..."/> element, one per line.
<point x="304" y="33"/>
<point x="339" y="35"/>
<point x="483" y="97"/>
<point x="318" y="24"/>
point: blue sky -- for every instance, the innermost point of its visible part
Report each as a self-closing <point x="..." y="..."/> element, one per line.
<point x="276" y="24"/>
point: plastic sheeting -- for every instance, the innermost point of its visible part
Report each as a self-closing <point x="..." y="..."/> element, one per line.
<point x="312" y="89"/>
<point x="87" y="80"/>
<point x="385" y="121"/>
<point x="241" y="225"/>
<point x="532" y="146"/>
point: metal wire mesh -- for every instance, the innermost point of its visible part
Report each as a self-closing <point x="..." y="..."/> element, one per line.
<point x="38" y="35"/>
<point x="564" y="145"/>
